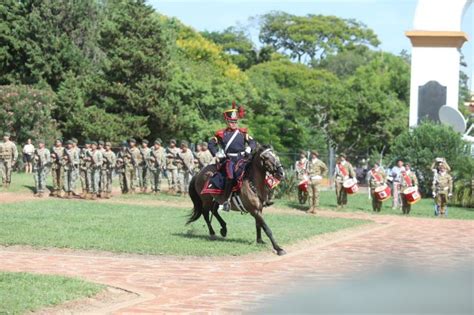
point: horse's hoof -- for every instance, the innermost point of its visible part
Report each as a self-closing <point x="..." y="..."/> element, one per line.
<point x="213" y="237"/>
<point x="281" y="252"/>
<point x="223" y="232"/>
<point x="260" y="242"/>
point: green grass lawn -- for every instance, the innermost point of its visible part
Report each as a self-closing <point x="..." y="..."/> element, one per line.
<point x="145" y="229"/>
<point x="23" y="292"/>
<point x="360" y="202"/>
<point x="22" y="182"/>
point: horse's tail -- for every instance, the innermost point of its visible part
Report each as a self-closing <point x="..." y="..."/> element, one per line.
<point x="196" y="198"/>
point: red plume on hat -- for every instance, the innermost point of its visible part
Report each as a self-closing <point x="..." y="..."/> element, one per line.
<point x="240" y="110"/>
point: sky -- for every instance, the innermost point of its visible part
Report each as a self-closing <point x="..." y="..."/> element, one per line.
<point x="388" y="18"/>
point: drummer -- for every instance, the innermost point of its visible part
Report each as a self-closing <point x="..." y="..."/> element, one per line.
<point x="377" y="178"/>
<point x="343" y="172"/>
<point x="316" y="170"/>
<point x="407" y="179"/>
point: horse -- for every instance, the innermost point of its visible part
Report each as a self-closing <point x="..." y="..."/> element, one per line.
<point x="253" y="194"/>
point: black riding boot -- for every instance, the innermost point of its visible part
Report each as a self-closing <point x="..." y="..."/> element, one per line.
<point x="229" y="183"/>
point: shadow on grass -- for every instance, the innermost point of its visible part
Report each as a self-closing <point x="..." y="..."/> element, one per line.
<point x="32" y="188"/>
<point x="208" y="238"/>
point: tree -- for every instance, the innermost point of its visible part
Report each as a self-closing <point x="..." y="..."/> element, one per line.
<point x="311" y="37"/>
<point x="25" y="112"/>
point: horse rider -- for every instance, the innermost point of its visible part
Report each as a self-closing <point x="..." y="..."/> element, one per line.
<point x="233" y="142"/>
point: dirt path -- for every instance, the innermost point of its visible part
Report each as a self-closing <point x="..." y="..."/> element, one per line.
<point x="173" y="284"/>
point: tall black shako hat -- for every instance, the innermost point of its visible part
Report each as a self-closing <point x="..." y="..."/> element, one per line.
<point x="235" y="113"/>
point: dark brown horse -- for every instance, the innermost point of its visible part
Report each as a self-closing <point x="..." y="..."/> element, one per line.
<point x="253" y="194"/>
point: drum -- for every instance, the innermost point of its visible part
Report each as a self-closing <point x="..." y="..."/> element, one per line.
<point x="303" y="185"/>
<point x="350" y="186"/>
<point x="383" y="193"/>
<point x="412" y="195"/>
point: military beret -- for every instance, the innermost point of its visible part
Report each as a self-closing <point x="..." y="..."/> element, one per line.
<point x="124" y="144"/>
<point x="184" y="143"/>
<point x="204" y="144"/>
<point x="87" y="141"/>
<point x="41" y="141"/>
<point x="100" y="142"/>
<point x="74" y="140"/>
<point x="94" y="142"/>
<point x="314" y="152"/>
<point x="132" y="140"/>
<point x="6" y="134"/>
<point x="173" y="141"/>
<point x="69" y="142"/>
<point x="108" y="144"/>
<point x="145" y="141"/>
<point x="158" y="141"/>
<point x="59" y="139"/>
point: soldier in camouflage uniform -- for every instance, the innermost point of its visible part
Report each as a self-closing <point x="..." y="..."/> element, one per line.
<point x="316" y="169"/>
<point x="171" y="166"/>
<point x="343" y="171"/>
<point x="143" y="172"/>
<point x="41" y="162"/>
<point x="75" y="175"/>
<point x="71" y="163"/>
<point x="185" y="164"/>
<point x="157" y="162"/>
<point x="84" y="169"/>
<point x="204" y="156"/>
<point x="108" y="166"/>
<point x="137" y="160"/>
<point x="57" y="168"/>
<point x="124" y="167"/>
<point x="8" y="158"/>
<point x="442" y="189"/>
<point x="96" y="167"/>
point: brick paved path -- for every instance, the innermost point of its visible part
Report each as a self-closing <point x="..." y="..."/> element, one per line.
<point x="231" y="284"/>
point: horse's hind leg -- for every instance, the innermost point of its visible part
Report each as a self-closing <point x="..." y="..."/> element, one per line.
<point x="205" y="214"/>
<point x="261" y="222"/>
<point x="259" y="233"/>
<point x="219" y="218"/>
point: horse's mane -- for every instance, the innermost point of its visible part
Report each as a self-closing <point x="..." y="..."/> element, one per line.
<point x="258" y="150"/>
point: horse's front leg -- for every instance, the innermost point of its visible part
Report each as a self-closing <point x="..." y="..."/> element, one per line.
<point x="260" y="221"/>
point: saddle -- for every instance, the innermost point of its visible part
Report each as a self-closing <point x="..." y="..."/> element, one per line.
<point x="215" y="184"/>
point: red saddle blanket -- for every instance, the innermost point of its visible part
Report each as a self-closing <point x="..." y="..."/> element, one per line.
<point x="215" y="184"/>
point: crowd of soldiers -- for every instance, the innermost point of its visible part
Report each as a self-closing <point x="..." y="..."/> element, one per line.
<point x="138" y="167"/>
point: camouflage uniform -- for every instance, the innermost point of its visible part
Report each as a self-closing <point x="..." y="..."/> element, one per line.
<point x="108" y="165"/>
<point x="316" y="169"/>
<point x="204" y="156"/>
<point x="377" y="178"/>
<point x="142" y="168"/>
<point x="75" y="175"/>
<point x="84" y="169"/>
<point x="41" y="161"/>
<point x="171" y="167"/>
<point x="96" y="167"/>
<point x="8" y="158"/>
<point x="156" y="163"/>
<point x="125" y="168"/>
<point x="442" y="190"/>
<point x="407" y="179"/>
<point x="185" y="163"/>
<point x="343" y="171"/>
<point x="71" y="163"/>
<point x="57" y="169"/>
<point x="137" y="159"/>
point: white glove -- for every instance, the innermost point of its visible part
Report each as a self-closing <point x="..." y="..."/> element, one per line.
<point x="434" y="194"/>
<point x="450" y="195"/>
<point x="220" y="155"/>
<point x="248" y="150"/>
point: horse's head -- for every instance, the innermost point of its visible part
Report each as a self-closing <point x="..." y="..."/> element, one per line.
<point x="269" y="161"/>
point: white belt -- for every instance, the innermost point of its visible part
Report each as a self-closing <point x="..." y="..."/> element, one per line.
<point x="236" y="154"/>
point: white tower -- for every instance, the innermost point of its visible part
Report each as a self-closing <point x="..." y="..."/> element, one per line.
<point x="436" y="40"/>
